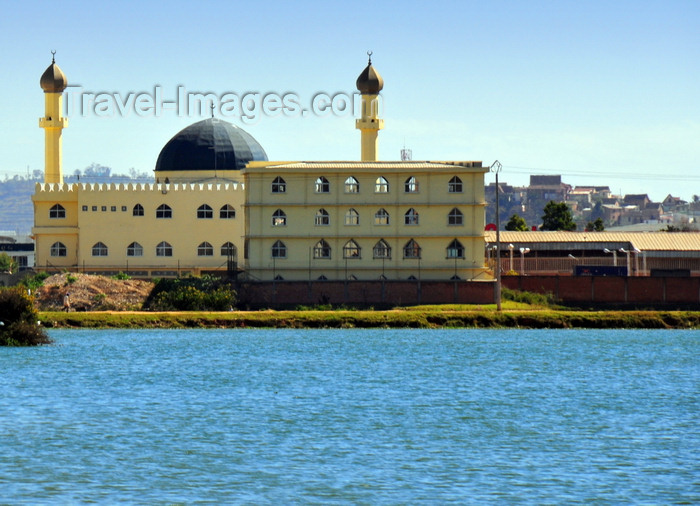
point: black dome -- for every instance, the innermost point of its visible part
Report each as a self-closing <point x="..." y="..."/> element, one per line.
<point x="210" y="144"/>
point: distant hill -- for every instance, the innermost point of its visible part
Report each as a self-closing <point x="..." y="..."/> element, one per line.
<point x="16" y="209"/>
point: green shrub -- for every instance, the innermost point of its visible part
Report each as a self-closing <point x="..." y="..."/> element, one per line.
<point x="7" y="263"/>
<point x="535" y="299"/>
<point x="121" y="276"/>
<point x="204" y="293"/>
<point x="99" y="297"/>
<point x="35" y="281"/>
<point x="19" y="326"/>
<point x="71" y="279"/>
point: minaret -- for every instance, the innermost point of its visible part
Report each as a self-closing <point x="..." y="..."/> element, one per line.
<point x="53" y="82"/>
<point x="370" y="83"/>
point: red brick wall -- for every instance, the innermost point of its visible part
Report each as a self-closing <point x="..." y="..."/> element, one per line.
<point x="578" y="289"/>
<point x="365" y="293"/>
<point x="611" y="289"/>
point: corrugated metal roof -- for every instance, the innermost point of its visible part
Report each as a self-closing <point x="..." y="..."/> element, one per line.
<point x="643" y="241"/>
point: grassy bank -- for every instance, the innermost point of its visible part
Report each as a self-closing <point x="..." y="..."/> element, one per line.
<point x="416" y="317"/>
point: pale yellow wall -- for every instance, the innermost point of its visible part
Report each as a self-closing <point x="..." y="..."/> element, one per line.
<point x="300" y="203"/>
<point x="104" y="213"/>
<point x="47" y="231"/>
<point x="369" y="125"/>
<point x="197" y="176"/>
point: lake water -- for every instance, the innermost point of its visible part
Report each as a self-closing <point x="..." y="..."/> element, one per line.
<point x="352" y="417"/>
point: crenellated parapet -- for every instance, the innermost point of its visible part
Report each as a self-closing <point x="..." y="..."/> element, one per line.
<point x="65" y="189"/>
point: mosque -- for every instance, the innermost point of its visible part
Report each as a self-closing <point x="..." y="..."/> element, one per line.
<point x="218" y="205"/>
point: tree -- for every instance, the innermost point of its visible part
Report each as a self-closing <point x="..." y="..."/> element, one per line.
<point x="7" y="263"/>
<point x="18" y="319"/>
<point x="97" y="170"/>
<point x="557" y="216"/>
<point x="597" y="211"/>
<point x="516" y="223"/>
<point x="595" y="226"/>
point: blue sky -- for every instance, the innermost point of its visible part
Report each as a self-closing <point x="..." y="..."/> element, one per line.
<point x="600" y="92"/>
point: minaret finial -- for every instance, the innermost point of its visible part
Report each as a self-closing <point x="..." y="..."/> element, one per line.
<point x="53" y="56"/>
<point x="212" y="109"/>
<point x="369" y="57"/>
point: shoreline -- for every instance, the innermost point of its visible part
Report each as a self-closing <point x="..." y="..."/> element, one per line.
<point x="395" y="318"/>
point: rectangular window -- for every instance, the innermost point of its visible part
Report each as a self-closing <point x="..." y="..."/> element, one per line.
<point x="123" y="208"/>
<point x="85" y="208"/>
<point x="94" y="208"/>
<point x="114" y="209"/>
<point x="104" y="209"/>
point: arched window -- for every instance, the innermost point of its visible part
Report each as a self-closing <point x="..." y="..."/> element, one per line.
<point x="381" y="249"/>
<point x="57" y="211"/>
<point x="352" y="217"/>
<point x="279" y="218"/>
<point x="351" y="249"/>
<point x="381" y="185"/>
<point x="58" y="249"/>
<point x="322" y="250"/>
<point x="164" y="249"/>
<point x="455" y="249"/>
<point x="381" y="217"/>
<point x="455" y="185"/>
<point x="227" y="212"/>
<point x="279" y="185"/>
<point x="411" y="217"/>
<point x="352" y="185"/>
<point x="411" y="185"/>
<point x="228" y="249"/>
<point x="322" y="217"/>
<point x="279" y="250"/>
<point x="205" y="250"/>
<point x="164" y="211"/>
<point x="455" y="217"/>
<point x="138" y="210"/>
<point x="205" y="212"/>
<point x="411" y="249"/>
<point x="322" y="185"/>
<point x="134" y="250"/>
<point x="100" y="250"/>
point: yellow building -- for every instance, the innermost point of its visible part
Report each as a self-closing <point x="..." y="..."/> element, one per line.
<point x="365" y="220"/>
<point x="218" y="204"/>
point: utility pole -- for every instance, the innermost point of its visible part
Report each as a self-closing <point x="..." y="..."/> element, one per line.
<point x="496" y="168"/>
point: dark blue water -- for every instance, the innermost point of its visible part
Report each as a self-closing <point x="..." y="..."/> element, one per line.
<point x="352" y="417"/>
